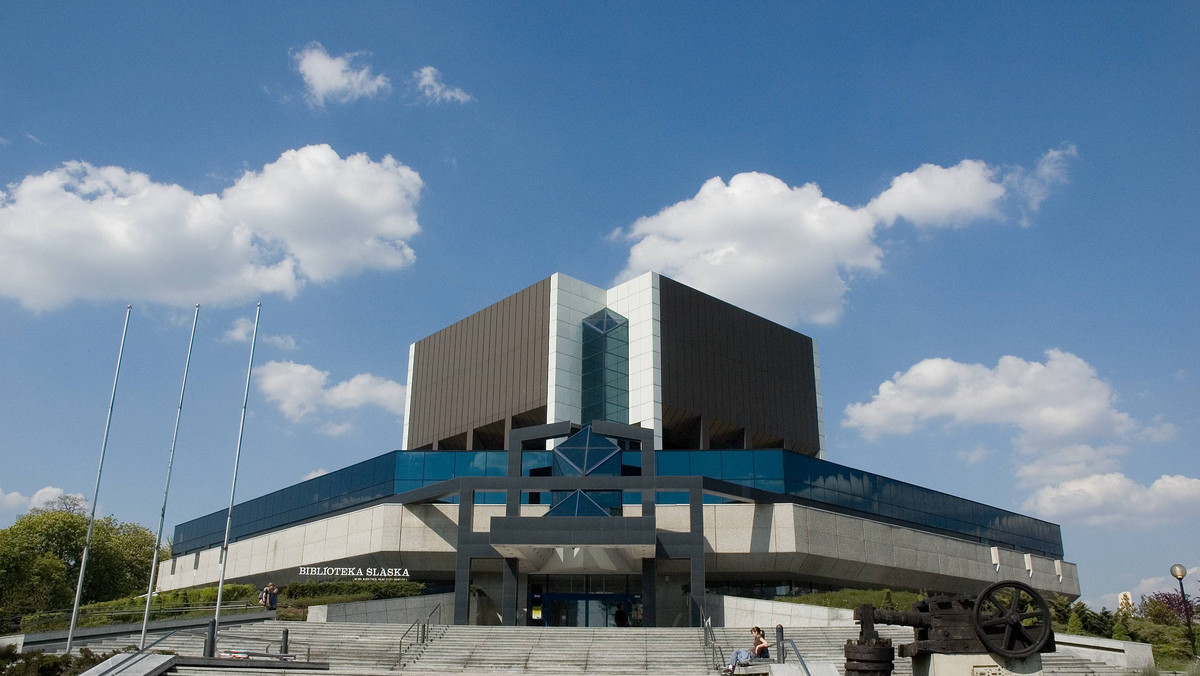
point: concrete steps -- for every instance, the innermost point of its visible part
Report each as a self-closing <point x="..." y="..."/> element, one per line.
<point x="354" y="649"/>
<point x="542" y="650"/>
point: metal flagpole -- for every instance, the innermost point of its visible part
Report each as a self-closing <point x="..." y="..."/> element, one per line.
<point x="233" y="487"/>
<point x="170" y="460"/>
<point x="87" y="542"/>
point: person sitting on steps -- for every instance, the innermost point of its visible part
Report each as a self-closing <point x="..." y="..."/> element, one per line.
<point x="757" y="649"/>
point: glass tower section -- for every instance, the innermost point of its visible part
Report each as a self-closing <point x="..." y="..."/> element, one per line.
<point x="586" y="454"/>
<point x="605" y="379"/>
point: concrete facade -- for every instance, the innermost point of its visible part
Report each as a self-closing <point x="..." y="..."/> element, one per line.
<point x="702" y="468"/>
<point x="740" y="540"/>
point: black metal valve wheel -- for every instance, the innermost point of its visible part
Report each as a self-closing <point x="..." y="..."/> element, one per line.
<point x="1012" y="619"/>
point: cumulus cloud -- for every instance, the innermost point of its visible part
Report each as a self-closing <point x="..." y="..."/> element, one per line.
<point x="15" y="503"/>
<point x="336" y="78"/>
<point x="791" y="253"/>
<point x="781" y="251"/>
<point x="11" y="502"/>
<point x="366" y="389"/>
<point x="932" y="196"/>
<point x="428" y="82"/>
<point x="1070" y="439"/>
<point x="243" y="329"/>
<point x="1113" y="498"/>
<point x="1060" y="400"/>
<point x="81" y="232"/>
<point x="316" y="473"/>
<point x="301" y="392"/>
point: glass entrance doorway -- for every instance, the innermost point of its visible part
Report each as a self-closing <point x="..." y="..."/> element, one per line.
<point x="589" y="610"/>
<point x="585" y="600"/>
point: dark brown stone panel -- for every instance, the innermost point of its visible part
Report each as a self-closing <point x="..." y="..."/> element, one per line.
<point x="486" y="367"/>
<point x="736" y="368"/>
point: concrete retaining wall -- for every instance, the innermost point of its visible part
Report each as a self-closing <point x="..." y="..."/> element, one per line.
<point x="737" y="611"/>
<point x="1124" y="654"/>
<point x="404" y="610"/>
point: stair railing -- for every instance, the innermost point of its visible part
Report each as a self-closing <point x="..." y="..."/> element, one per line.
<point x="711" y="646"/>
<point x="783" y="652"/>
<point x="422" y="627"/>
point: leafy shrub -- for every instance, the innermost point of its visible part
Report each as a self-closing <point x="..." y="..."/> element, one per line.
<point x="366" y="589"/>
<point x="38" y="663"/>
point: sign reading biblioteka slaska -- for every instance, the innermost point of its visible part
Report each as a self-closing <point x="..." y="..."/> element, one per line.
<point x="355" y="572"/>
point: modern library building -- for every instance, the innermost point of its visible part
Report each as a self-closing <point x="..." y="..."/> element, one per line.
<point x="573" y="455"/>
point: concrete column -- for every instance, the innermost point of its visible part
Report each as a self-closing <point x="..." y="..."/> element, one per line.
<point x="696" y="563"/>
<point x="512" y="499"/>
<point x="649" y="589"/>
<point x="509" y="605"/>
<point x="696" y="558"/>
<point x="462" y="589"/>
<point x="462" y="560"/>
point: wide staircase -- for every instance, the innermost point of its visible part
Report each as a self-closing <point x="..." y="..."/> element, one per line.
<point x="377" y="649"/>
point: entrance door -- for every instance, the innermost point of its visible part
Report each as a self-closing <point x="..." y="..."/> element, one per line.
<point x="585" y="600"/>
<point x="585" y="610"/>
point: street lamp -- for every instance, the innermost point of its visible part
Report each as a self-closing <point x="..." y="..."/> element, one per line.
<point x="1178" y="571"/>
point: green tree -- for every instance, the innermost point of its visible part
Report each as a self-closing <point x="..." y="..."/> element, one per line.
<point x="41" y="553"/>
<point x="1157" y="612"/>
<point x="1075" y="623"/>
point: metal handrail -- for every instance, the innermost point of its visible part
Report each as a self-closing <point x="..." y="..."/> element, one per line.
<point x="710" y="643"/>
<point x="798" y="655"/>
<point x="50" y="616"/>
<point x="422" y="633"/>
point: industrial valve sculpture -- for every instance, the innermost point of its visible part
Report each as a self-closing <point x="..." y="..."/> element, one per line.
<point x="1009" y="619"/>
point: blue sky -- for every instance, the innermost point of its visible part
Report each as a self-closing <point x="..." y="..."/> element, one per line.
<point x="984" y="214"/>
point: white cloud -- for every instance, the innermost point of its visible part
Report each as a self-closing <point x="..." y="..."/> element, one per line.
<point x="1049" y="464"/>
<point x="298" y="389"/>
<point x="335" y="429"/>
<point x="48" y="494"/>
<point x="974" y="456"/>
<point x="300" y="392"/>
<point x="243" y="329"/>
<point x="1070" y="439"/>
<point x="790" y="253"/>
<point x="315" y="473"/>
<point x="15" y="503"/>
<point x="428" y="81"/>
<point x="335" y="78"/>
<point x="776" y="250"/>
<point x="1113" y="498"/>
<point x="933" y="196"/>
<point x="1159" y="431"/>
<point x="364" y="389"/>
<point x="1055" y="402"/>
<point x="1034" y="187"/>
<point x="81" y="232"/>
